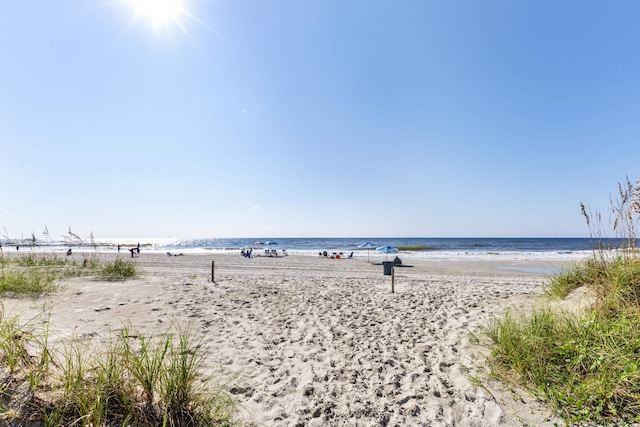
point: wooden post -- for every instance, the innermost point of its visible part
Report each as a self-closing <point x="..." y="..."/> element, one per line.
<point x="213" y="267"/>
<point x="393" y="280"/>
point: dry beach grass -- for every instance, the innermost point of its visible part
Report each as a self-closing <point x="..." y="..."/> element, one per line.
<point x="306" y="341"/>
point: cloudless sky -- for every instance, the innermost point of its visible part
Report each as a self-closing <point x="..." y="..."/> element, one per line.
<point x="316" y="118"/>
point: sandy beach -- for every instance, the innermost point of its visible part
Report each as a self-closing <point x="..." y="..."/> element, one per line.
<point x="312" y="341"/>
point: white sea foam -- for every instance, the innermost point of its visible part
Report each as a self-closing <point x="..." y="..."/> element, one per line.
<point x="172" y="245"/>
<point x="459" y="255"/>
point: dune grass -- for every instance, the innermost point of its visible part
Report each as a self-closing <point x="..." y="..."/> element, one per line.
<point x="38" y="274"/>
<point x="585" y="364"/>
<point x="27" y="282"/>
<point x="132" y="380"/>
<point x="119" y="269"/>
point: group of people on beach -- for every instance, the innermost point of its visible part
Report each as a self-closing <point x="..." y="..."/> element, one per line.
<point x="134" y="251"/>
<point x="248" y="253"/>
<point x="334" y="255"/>
<point x="274" y="252"/>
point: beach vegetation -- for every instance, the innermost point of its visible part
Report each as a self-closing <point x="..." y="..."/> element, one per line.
<point x="566" y="281"/>
<point x="585" y="363"/>
<point x="131" y="380"/>
<point x="37" y="274"/>
<point x="29" y="282"/>
<point x="119" y="269"/>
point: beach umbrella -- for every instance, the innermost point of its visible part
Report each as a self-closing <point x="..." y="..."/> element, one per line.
<point x="387" y="250"/>
<point x="368" y="246"/>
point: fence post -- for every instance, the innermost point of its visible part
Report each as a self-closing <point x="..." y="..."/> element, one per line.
<point x="213" y="267"/>
<point x="393" y="280"/>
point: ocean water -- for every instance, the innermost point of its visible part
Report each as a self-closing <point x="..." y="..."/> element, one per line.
<point x="427" y="248"/>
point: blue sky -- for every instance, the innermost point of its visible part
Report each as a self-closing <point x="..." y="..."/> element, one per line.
<point x="302" y="118"/>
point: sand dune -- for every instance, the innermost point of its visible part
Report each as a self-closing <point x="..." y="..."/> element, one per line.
<point x="305" y="341"/>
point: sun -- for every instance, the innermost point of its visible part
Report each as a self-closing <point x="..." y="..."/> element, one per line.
<point x="167" y="19"/>
<point x="159" y="13"/>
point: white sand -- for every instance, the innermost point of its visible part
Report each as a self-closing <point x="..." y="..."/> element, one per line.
<point x="305" y="341"/>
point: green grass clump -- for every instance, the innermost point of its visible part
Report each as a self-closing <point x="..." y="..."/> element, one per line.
<point x="119" y="269"/>
<point x="586" y="366"/>
<point x="45" y="260"/>
<point x="561" y="285"/>
<point x="31" y="282"/>
<point x="13" y="343"/>
<point x="615" y="282"/>
<point x="133" y="380"/>
<point x="33" y="275"/>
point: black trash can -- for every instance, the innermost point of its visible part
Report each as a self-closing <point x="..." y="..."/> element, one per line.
<point x="387" y="266"/>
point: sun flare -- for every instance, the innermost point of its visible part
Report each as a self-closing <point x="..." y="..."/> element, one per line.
<point x="159" y="12"/>
<point x="168" y="20"/>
